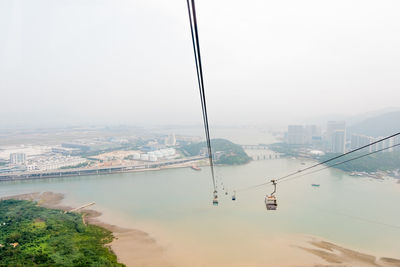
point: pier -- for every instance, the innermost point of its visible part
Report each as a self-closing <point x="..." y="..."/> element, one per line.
<point x="81" y="207"/>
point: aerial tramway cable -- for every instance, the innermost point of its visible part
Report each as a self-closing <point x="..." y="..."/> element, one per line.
<point x="326" y="161"/>
<point x="200" y="80"/>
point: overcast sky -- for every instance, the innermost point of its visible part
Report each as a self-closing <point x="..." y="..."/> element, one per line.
<point x="120" y="61"/>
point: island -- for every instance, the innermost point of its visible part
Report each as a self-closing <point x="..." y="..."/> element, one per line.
<point x="224" y="151"/>
<point x="36" y="236"/>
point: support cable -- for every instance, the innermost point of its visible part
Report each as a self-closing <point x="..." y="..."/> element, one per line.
<point x="200" y="79"/>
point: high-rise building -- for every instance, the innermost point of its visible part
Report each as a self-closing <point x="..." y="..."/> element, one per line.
<point x="339" y="141"/>
<point x="170" y="140"/>
<point x="311" y="133"/>
<point x="295" y="135"/>
<point x="332" y="138"/>
<point x="396" y="140"/>
<point x="383" y="144"/>
<point x="358" y="140"/>
<point x="17" y="158"/>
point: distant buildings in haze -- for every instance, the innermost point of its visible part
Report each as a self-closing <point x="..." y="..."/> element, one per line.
<point x="358" y="140"/>
<point x="303" y="135"/>
<point x="17" y="158"/>
<point x="338" y="141"/>
<point x="170" y="140"/>
<point x="335" y="136"/>
<point x="335" y="139"/>
<point x="295" y="135"/>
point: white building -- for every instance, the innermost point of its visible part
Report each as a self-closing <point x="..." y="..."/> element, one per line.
<point x="396" y="140"/>
<point x="358" y="140"/>
<point x="55" y="163"/>
<point x="144" y="156"/>
<point x="17" y="158"/>
<point x="153" y="158"/>
<point x="381" y="145"/>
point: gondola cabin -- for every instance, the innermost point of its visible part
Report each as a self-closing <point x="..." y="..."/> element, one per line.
<point x="215" y="201"/>
<point x="270" y="202"/>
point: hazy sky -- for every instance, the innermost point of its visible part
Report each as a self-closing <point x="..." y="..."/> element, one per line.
<point x="120" y="61"/>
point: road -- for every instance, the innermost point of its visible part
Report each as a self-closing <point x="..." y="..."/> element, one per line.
<point x="93" y="171"/>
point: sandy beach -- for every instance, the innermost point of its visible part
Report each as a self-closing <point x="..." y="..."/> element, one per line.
<point x="137" y="248"/>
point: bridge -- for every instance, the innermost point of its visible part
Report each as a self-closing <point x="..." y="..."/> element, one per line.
<point x="265" y="156"/>
<point x="255" y="147"/>
<point x="93" y="171"/>
<point x="260" y="152"/>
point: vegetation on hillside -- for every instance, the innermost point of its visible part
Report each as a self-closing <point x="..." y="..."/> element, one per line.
<point x="386" y="161"/>
<point x="225" y="152"/>
<point x="36" y="236"/>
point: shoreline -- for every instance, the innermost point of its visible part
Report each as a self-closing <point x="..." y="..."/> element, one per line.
<point x="147" y="250"/>
<point x="64" y="174"/>
<point x="137" y="248"/>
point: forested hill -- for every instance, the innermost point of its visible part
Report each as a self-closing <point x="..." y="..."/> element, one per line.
<point x="225" y="152"/>
<point x="382" y="125"/>
<point x="36" y="236"/>
<point x="387" y="161"/>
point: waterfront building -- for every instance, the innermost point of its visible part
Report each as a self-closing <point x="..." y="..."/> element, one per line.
<point x="17" y="158"/>
<point x="396" y="140"/>
<point x="384" y="144"/>
<point x="358" y="140"/>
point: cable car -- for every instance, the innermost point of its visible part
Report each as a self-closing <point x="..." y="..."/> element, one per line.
<point x="215" y="201"/>
<point x="226" y="192"/>
<point x="234" y="196"/>
<point x="270" y="201"/>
